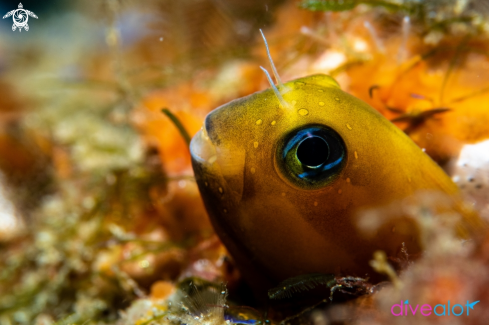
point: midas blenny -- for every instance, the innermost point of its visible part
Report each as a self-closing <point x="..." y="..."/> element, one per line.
<point x="284" y="173"/>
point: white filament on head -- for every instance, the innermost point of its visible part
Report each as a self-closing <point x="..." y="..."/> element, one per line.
<point x="275" y="90"/>
<point x="275" y="73"/>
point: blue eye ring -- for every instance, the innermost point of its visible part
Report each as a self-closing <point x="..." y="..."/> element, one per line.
<point x="311" y="156"/>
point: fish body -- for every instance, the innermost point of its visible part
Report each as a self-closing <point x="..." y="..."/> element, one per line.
<point x="279" y="219"/>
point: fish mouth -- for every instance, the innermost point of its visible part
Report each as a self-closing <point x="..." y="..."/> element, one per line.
<point x="201" y="147"/>
<point x="204" y="147"/>
<point x="222" y="163"/>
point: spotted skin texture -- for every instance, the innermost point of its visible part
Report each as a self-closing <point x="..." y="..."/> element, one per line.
<point x="275" y="229"/>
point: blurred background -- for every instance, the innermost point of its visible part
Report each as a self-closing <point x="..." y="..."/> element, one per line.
<point x="100" y="217"/>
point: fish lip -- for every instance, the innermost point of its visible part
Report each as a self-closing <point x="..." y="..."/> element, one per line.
<point x="194" y="146"/>
<point x="203" y="144"/>
<point x="201" y="147"/>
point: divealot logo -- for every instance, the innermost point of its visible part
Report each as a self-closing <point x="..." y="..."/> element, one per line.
<point x="20" y="17"/>
<point x="405" y="309"/>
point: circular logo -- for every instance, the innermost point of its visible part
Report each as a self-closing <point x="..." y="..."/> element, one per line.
<point x="20" y="17"/>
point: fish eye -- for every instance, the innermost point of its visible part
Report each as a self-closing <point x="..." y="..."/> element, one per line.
<point x="313" y="151"/>
<point x="312" y="156"/>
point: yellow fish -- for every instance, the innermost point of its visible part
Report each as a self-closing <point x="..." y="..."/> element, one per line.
<point x="284" y="172"/>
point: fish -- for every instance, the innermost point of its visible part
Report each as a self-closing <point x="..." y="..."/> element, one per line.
<point x="285" y="172"/>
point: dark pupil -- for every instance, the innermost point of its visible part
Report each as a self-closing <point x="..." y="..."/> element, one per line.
<point x="313" y="151"/>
